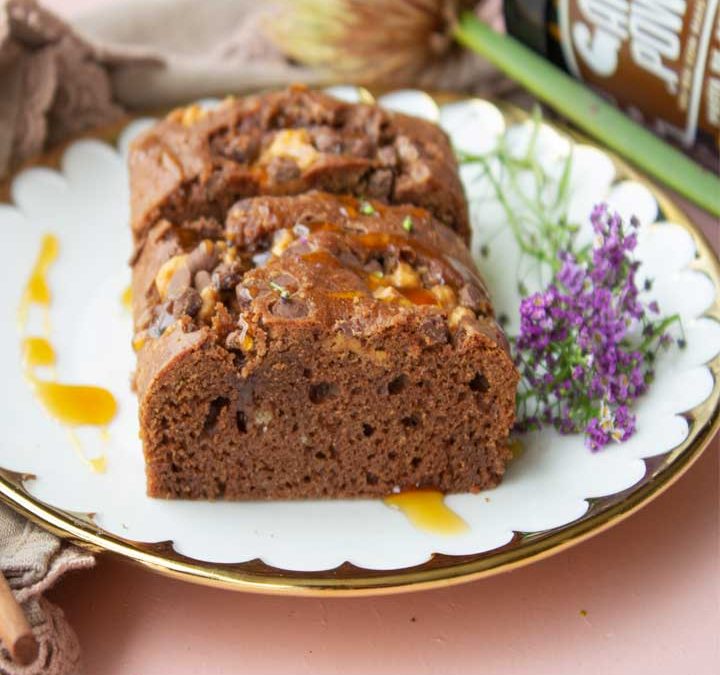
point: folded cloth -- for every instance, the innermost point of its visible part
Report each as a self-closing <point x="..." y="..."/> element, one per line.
<point x="32" y="560"/>
<point x="57" y="81"/>
<point x="53" y="83"/>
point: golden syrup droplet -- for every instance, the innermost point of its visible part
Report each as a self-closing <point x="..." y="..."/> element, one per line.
<point x="96" y="464"/>
<point x="76" y="405"/>
<point x="37" y="290"/>
<point x="126" y="298"/>
<point x="516" y="447"/>
<point x="37" y="352"/>
<point x="426" y="510"/>
<point x="344" y="295"/>
<point x="418" y="296"/>
<point x="138" y="342"/>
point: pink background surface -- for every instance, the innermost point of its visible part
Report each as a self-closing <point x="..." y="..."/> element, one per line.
<point x="650" y="588"/>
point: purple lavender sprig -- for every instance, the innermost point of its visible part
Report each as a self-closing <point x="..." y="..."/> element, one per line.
<point x="587" y="343"/>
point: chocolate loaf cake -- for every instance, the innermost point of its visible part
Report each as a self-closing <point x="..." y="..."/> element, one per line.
<point x="318" y="346"/>
<point x="197" y="164"/>
<point x="313" y="343"/>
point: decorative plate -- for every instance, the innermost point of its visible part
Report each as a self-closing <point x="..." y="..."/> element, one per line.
<point x="555" y="492"/>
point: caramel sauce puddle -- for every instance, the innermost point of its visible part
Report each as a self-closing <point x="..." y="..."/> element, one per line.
<point x="426" y="510"/>
<point x="72" y="405"/>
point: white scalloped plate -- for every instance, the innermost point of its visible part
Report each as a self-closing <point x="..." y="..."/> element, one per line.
<point x="556" y="492"/>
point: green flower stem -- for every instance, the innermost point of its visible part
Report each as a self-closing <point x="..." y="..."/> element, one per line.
<point x="659" y="329"/>
<point x="591" y="113"/>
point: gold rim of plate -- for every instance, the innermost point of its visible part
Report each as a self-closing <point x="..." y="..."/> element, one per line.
<point x="441" y="570"/>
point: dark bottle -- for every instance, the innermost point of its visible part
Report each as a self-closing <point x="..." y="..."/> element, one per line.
<point x="659" y="60"/>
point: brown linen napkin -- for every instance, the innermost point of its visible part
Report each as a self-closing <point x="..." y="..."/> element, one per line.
<point x="32" y="560"/>
<point x="52" y="83"/>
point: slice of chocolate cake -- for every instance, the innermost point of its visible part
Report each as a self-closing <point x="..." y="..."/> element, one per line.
<point x="315" y="346"/>
<point x="197" y="164"/>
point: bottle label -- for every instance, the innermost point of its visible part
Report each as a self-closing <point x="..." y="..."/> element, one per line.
<point x="660" y="59"/>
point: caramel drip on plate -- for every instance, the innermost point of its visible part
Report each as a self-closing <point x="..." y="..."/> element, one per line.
<point x="72" y="405"/>
<point x="37" y="352"/>
<point x="37" y="288"/>
<point x="426" y="510"/>
<point x="126" y="299"/>
<point x="75" y="404"/>
<point x="97" y="464"/>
